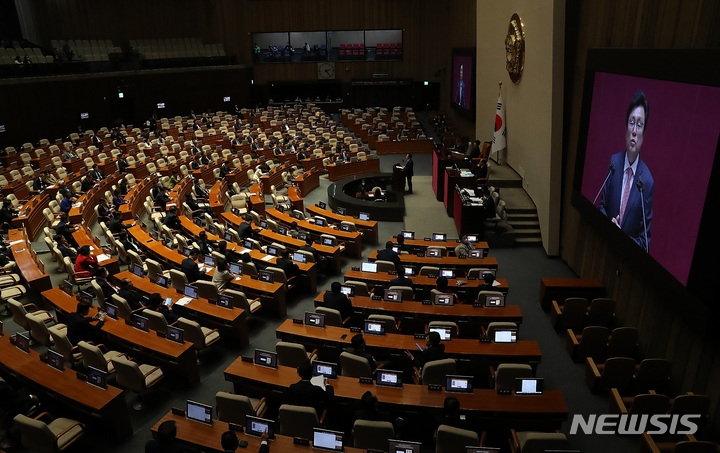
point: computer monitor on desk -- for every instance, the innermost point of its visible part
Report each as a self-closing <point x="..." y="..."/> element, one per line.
<point x="439" y="237"/>
<point x="408" y="234"/>
<point x="199" y="412"/>
<point x="403" y="446"/>
<point x="392" y="295"/>
<point x="369" y="267"/>
<point x="348" y="290"/>
<point x="256" y="426"/>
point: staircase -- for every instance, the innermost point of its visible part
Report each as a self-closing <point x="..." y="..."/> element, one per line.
<point x="526" y="225"/>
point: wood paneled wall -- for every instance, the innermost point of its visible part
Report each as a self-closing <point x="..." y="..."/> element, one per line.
<point x="675" y="326"/>
<point x="430" y="30"/>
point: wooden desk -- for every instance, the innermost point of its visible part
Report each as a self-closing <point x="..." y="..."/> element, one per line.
<point x="445" y="262"/>
<point x="296" y="199"/>
<point x="34" y="220"/>
<point x="337" y="172"/>
<point x="29" y="266"/>
<point x="136" y="197"/>
<point x="207" y="437"/>
<point x="368" y="227"/>
<point x="308" y="181"/>
<point x="308" y="271"/>
<point x="257" y="200"/>
<point x="146" y="346"/>
<point x="423" y="283"/>
<point x="90" y="199"/>
<point x="415" y="316"/>
<point x="232" y="323"/>
<point x="411" y="397"/>
<point x="273" y="294"/>
<point x="459" y="348"/>
<point x="82" y="236"/>
<point x="453" y="177"/>
<point x="107" y="405"/>
<point x="315" y="162"/>
<point x="561" y="288"/>
<point x="352" y="240"/>
<point x="422" y="245"/>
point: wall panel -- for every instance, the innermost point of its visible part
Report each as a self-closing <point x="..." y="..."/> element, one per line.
<point x="676" y="326"/>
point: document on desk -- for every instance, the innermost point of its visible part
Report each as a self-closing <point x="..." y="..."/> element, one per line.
<point x="183" y="301"/>
<point x="19" y="241"/>
<point x="465" y="174"/>
<point x="267" y="257"/>
<point x="319" y="381"/>
<point x="103" y="257"/>
<point x="78" y="204"/>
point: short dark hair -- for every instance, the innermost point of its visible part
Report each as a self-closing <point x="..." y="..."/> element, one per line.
<point x="84" y="250"/>
<point x="451" y="405"/>
<point x="368" y="401"/>
<point x="246" y="258"/>
<point x="442" y="283"/>
<point x="167" y="431"/>
<point x="154" y="301"/>
<point x="221" y="264"/>
<point x="638" y="100"/>
<point x="489" y="278"/>
<point x="388" y="245"/>
<point x="400" y="239"/>
<point x="357" y="341"/>
<point x="335" y="287"/>
<point x="229" y="441"/>
<point x="305" y="370"/>
<point x="434" y="337"/>
<point x="83" y="308"/>
<point x="194" y="251"/>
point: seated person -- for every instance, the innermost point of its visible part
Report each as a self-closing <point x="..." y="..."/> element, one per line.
<point x="441" y="284"/>
<point x="86" y="183"/>
<point x="104" y="211"/>
<point x="7" y="213"/>
<point x="245" y="229"/>
<point x="66" y="230"/>
<point x="464" y="247"/>
<point x="155" y="303"/>
<point x="402" y="280"/>
<point x="64" y="248"/>
<point x="305" y="393"/>
<point x="205" y="245"/>
<point x="117" y="199"/>
<point x="189" y="266"/>
<point x="161" y="199"/>
<point x="337" y="301"/>
<point x="115" y="225"/>
<point x="66" y="204"/>
<point x="85" y="264"/>
<point x="309" y="248"/>
<point x="285" y="263"/>
<point x="488" y="285"/>
<point x="434" y="350"/>
<point x="79" y="324"/>
<point x="222" y="276"/>
<point x="171" y="220"/>
<point x="127" y="293"/>
<point x="390" y="255"/>
<point x="369" y="410"/>
<point x="165" y="442"/>
<point x="357" y="347"/>
<point x="108" y="290"/>
<point x="451" y="415"/>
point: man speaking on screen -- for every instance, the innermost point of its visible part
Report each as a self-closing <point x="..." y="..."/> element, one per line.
<point x="627" y="197"/>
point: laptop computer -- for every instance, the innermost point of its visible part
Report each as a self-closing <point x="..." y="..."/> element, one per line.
<point x="256" y="426"/>
<point x="388" y="378"/>
<point x="263" y="224"/>
<point x="409" y="271"/>
<point x="97" y="377"/>
<point x="369" y="267"/>
<point x="447" y="300"/>
<point x="314" y="319"/>
<point x="175" y="334"/>
<point x="449" y="273"/>
<point x="348" y="290"/>
<point x="265" y="276"/>
<point x="225" y="301"/>
<point x="299" y="258"/>
<point x="528" y="386"/>
<point x="320" y="222"/>
<point x="439" y="237"/>
<point x="328" y="242"/>
<point x="444" y="332"/>
<point x="322" y="205"/>
<point x="235" y="268"/>
<point x="364" y="216"/>
<point x="325" y="439"/>
<point x="408" y="234"/>
<point x="392" y="295"/>
<point x="327" y="369"/>
<point x="209" y="261"/>
<point x="403" y="446"/>
<point x="55" y="360"/>
<point x="266" y="358"/>
<point x="505" y="336"/>
<point x="497" y="301"/>
<point x="199" y="412"/>
<point x="190" y="291"/>
<point x="373" y="327"/>
<point x="460" y="384"/>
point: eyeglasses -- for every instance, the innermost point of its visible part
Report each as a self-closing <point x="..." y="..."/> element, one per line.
<point x="632" y="123"/>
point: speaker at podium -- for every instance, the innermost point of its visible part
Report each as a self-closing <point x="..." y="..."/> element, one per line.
<point x="398" y="178"/>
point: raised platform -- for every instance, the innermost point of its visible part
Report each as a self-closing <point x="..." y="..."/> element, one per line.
<point x="342" y="193"/>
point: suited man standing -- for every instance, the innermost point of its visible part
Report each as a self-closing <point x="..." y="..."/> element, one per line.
<point x="630" y="185"/>
<point x="460" y="90"/>
<point x="409" y="171"/>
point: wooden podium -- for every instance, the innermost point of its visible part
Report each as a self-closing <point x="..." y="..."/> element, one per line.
<point x="398" y="178"/>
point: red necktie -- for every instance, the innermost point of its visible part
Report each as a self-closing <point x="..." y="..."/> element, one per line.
<point x="626" y="193"/>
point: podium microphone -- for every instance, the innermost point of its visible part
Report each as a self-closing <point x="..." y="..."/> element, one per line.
<point x="640" y="185"/>
<point x="611" y="171"/>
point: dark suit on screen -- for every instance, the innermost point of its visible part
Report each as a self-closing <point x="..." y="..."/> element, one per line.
<point x="632" y="221"/>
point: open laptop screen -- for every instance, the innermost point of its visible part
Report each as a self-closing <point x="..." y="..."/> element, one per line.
<point x="439" y="237"/>
<point x="473" y="238"/>
<point x="175" y="334"/>
<point x="97" y="377"/>
<point x="369" y="267"/>
<point x="348" y="290"/>
<point x="392" y="295"/>
<point x="199" y="412"/>
<point x="462" y="384"/>
<point x="444" y="332"/>
<point x="444" y="299"/>
<point x="255" y="426"/>
<point x="408" y="234"/>
<point x="327" y="440"/>
<point x="505" y="336"/>
<point x="138" y="270"/>
<point x="191" y="291"/>
<point x="528" y="386"/>
<point x="495" y="300"/>
<point x="341" y="210"/>
<point x="374" y="327"/>
<point x="388" y="378"/>
<point x="266" y="358"/>
<point x="327" y="369"/>
<point x="403" y="446"/>
<point x="314" y="319"/>
<point x="364" y="216"/>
